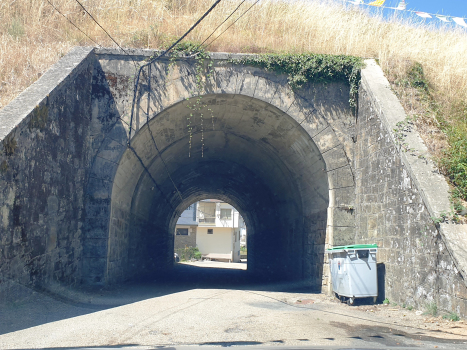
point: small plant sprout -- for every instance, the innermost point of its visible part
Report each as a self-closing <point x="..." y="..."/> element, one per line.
<point x="431" y="309"/>
<point x="452" y="316"/>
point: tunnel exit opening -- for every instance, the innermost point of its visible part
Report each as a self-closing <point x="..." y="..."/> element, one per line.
<point x="253" y="156"/>
<point x="211" y="230"/>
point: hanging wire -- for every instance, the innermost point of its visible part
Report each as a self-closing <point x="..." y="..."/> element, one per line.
<point x="232" y="24"/>
<point x="56" y="9"/>
<point x="160" y="56"/>
<point x="221" y="23"/>
<point x="106" y="32"/>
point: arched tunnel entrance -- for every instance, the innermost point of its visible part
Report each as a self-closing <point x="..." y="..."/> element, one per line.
<point x="236" y="148"/>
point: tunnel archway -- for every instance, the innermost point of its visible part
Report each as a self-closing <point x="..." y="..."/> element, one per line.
<point x="250" y="154"/>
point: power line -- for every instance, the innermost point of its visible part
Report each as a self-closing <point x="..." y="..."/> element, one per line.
<point x="221" y="23"/>
<point x="184" y="35"/>
<point x="84" y="9"/>
<point x="232" y="23"/>
<point x="56" y="9"/>
<point x="150" y="176"/>
<point x="136" y="89"/>
<point x="161" y="55"/>
<point x="165" y="164"/>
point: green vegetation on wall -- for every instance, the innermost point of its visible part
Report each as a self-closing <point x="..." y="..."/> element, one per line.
<point x="9" y="145"/>
<point x="454" y="162"/>
<point x="39" y="117"/>
<point x="450" y="120"/>
<point x="311" y="68"/>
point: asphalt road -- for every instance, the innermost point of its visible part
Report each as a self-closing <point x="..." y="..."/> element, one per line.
<point x="211" y="307"/>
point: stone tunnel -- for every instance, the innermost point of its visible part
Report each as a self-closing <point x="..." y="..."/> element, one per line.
<point x="90" y="196"/>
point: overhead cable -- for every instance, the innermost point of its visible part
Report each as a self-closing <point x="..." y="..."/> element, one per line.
<point x="232" y="23"/>
<point x="161" y="55"/>
<point x="221" y="23"/>
<point x="84" y="9"/>
<point x="135" y="93"/>
<point x="56" y="9"/>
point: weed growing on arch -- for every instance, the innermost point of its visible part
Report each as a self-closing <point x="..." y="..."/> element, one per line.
<point x="305" y="68"/>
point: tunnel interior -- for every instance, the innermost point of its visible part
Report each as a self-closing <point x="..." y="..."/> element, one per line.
<point x="235" y="148"/>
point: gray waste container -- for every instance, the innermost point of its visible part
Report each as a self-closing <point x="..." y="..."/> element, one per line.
<point x="353" y="271"/>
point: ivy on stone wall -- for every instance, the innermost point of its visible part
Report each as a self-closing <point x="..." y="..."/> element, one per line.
<point x="311" y="68"/>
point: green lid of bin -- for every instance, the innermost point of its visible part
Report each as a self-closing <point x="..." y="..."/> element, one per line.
<point x="355" y="246"/>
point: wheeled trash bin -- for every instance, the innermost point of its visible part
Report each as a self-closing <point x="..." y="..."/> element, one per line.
<point x="353" y="271"/>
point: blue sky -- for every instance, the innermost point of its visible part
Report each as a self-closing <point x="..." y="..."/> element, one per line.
<point x="453" y="8"/>
<point x="456" y="8"/>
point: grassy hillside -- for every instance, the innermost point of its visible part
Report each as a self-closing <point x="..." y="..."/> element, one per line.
<point x="426" y="66"/>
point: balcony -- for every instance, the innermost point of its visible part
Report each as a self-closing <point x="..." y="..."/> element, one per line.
<point x="207" y="221"/>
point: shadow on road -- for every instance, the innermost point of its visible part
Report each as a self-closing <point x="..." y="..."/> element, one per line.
<point x="40" y="307"/>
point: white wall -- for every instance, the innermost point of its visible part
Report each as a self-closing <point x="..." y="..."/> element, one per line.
<point x="219" y="242"/>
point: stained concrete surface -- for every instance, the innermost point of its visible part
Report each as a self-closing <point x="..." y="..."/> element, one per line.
<point x="218" y="307"/>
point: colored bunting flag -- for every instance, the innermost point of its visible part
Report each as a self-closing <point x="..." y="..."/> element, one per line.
<point x="423" y="14"/>
<point x="378" y="3"/>
<point x="402" y="5"/>
<point x="443" y="18"/>
<point x="460" y="21"/>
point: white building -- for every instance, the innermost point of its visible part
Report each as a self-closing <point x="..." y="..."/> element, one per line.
<point x="219" y="227"/>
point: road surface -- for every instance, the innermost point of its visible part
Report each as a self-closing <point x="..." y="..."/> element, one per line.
<point x="214" y="307"/>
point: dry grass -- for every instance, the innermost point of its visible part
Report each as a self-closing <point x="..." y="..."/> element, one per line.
<point x="33" y="35"/>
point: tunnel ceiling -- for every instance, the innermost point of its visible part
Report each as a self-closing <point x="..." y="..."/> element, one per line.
<point x="248" y="144"/>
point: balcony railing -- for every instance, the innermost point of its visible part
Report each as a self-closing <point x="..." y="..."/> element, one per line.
<point x="208" y="221"/>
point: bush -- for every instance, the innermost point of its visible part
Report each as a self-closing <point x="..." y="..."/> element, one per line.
<point x="188" y="253"/>
<point x="451" y="316"/>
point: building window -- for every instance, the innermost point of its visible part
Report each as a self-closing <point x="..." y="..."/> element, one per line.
<point x="182" y="232"/>
<point x="207" y="213"/>
<point x="210" y="231"/>
<point x="226" y="214"/>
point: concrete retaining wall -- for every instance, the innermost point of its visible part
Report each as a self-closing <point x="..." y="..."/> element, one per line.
<point x="398" y="194"/>
<point x="44" y="166"/>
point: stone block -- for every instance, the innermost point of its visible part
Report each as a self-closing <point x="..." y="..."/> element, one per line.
<point x="246" y="84"/>
<point x="225" y="79"/>
<point x="94" y="269"/>
<point x="343" y="235"/>
<point x="341" y="177"/>
<point x="95" y="248"/>
<point x="342" y="197"/>
<point x="335" y="158"/>
<point x="283" y="98"/>
<point x="326" y="140"/>
<point x="341" y="216"/>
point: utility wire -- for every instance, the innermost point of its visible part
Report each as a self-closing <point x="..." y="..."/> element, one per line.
<point x="165" y="164"/>
<point x="221" y="24"/>
<point x="163" y="54"/>
<point x="136" y="88"/>
<point x="84" y="9"/>
<point x="184" y="35"/>
<point x="56" y="9"/>
<point x="150" y="176"/>
<point x="232" y="23"/>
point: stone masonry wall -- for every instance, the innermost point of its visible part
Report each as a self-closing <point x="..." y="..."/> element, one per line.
<point x="181" y="241"/>
<point x="43" y="170"/>
<point x="391" y="212"/>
